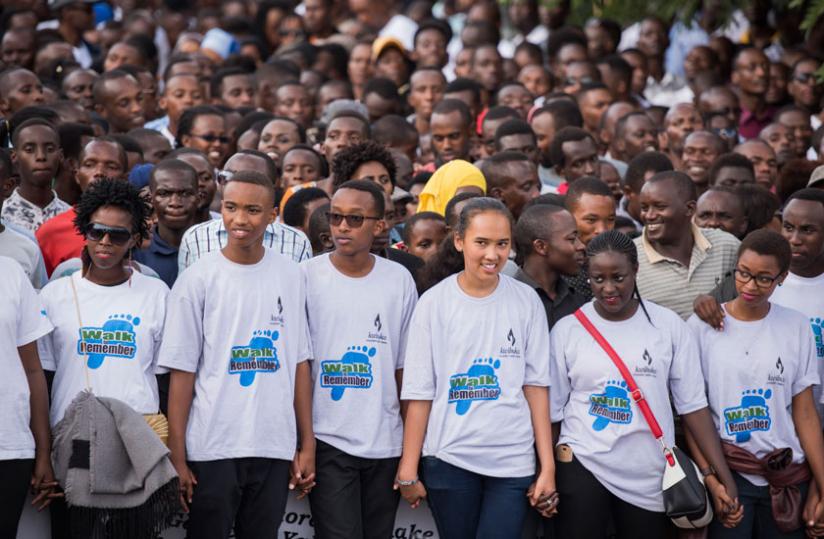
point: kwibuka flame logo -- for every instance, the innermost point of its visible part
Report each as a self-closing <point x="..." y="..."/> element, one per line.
<point x="511" y="337"/>
<point x="780" y="366"/>
<point x="378" y="324"/>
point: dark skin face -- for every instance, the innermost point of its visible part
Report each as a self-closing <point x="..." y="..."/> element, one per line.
<point x="213" y="127"/>
<point x="751" y="73"/>
<point x="21" y="89"/>
<point x="699" y="153"/>
<point x="99" y="160"/>
<point x="781" y="140"/>
<point x="763" y="160"/>
<point x="612" y="278"/>
<point x="450" y="137"/>
<point x="17" y="48"/>
<point x="803" y="86"/>
<point x="580" y="159"/>
<point x="680" y="121"/>
<point x="78" y="87"/>
<point x="350" y="241"/>
<point x="430" y="48"/>
<point x="426" y="89"/>
<point x="609" y="175"/>
<point x="563" y="250"/>
<point x="734" y="176"/>
<point x="799" y="123"/>
<point x="107" y="265"/>
<point x="640" y="135"/>
<point x="122" y="54"/>
<point x="293" y="101"/>
<point x="237" y="91"/>
<point x="753" y="298"/>
<point x="487" y="67"/>
<point x="721" y="102"/>
<point x="206" y="184"/>
<point x="175" y="199"/>
<point x="379" y="107"/>
<point x="425" y="237"/>
<point x="122" y="105"/>
<point x="38" y="155"/>
<point x="516" y="97"/>
<point x="277" y="137"/>
<point x="521" y="186"/>
<point x="665" y="212"/>
<point x="593" y="215"/>
<point x="155" y="149"/>
<point x="593" y="105"/>
<point x="803" y="227"/>
<point x="247" y="210"/>
<point x="724" y="211"/>
<point x="523" y="143"/>
<point x="544" y="127"/>
<point x="342" y="132"/>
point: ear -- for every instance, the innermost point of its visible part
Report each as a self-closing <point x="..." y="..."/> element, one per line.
<point x="458" y="242"/>
<point x="98" y="108"/>
<point x="326" y="241"/>
<point x="13" y="155"/>
<point x="627" y="191"/>
<point x="162" y="102"/>
<point x="540" y="247"/>
<point x="496" y="192"/>
<point x="781" y="278"/>
<point x="274" y="215"/>
<point x="691" y="208"/>
<point x="379" y="227"/>
<point x="663" y="140"/>
<point x="5" y="109"/>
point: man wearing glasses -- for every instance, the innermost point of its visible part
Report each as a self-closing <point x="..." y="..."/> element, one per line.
<point x="212" y="235"/>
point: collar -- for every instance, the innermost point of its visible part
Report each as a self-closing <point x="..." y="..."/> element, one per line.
<point x="561" y="288"/>
<point x="701" y="242"/>
<point x="158" y="245"/>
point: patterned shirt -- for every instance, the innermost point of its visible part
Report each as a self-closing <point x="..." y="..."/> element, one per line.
<point x="212" y="235"/>
<point x="671" y="284"/>
<point x="22" y="213"/>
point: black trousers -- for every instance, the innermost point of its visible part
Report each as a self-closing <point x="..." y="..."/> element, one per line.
<point x="586" y="507"/>
<point x="15" y="476"/>
<point x="353" y="498"/>
<point x="247" y="492"/>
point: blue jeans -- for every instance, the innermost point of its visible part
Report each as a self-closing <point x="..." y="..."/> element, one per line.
<point x="758" y="520"/>
<point x="466" y="505"/>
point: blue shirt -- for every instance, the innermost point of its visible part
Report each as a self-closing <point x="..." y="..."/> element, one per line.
<point x="161" y="257"/>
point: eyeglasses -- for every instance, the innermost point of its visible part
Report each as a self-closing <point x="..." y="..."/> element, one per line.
<point x="354" y="221"/>
<point x="117" y="235"/>
<point x="762" y="281"/>
<point x="725" y="132"/>
<point x="726" y="111"/>
<point x="211" y="138"/>
<point x="805" y="78"/>
<point x="583" y="80"/>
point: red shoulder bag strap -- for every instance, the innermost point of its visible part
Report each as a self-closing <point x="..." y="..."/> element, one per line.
<point x="635" y="391"/>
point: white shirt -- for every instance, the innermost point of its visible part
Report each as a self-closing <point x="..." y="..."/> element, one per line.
<point x="242" y="330"/>
<point x="358" y="328"/>
<point x="26" y="253"/>
<point x="471" y="357"/>
<point x="26" y="215"/>
<point x="806" y="295"/>
<point x="116" y="345"/>
<point x="212" y="236"/>
<point x="22" y="321"/>
<point x="752" y="371"/>
<point x="605" y="429"/>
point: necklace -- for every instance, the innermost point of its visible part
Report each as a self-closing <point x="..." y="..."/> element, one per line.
<point x="758" y="330"/>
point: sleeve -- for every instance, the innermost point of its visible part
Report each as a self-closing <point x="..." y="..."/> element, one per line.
<point x="807" y="372"/>
<point x="306" y="253"/>
<point x="32" y="322"/>
<point x="157" y="336"/>
<point x="185" y="251"/>
<point x="685" y="376"/>
<point x="45" y="344"/>
<point x="305" y="351"/>
<point x="182" y="344"/>
<point x="536" y="349"/>
<point x="419" y="364"/>
<point x="558" y="372"/>
<point x="725" y="290"/>
<point x="410" y="298"/>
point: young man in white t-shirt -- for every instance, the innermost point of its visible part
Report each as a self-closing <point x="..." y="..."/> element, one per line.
<point x="236" y="341"/>
<point x="359" y="306"/>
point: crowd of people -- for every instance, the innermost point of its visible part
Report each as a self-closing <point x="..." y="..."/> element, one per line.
<point x="354" y="250"/>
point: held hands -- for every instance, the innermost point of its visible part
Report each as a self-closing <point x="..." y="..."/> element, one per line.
<point x="814" y="513"/>
<point x="303" y="471"/>
<point x="709" y="311"/>
<point x="43" y="486"/>
<point x="543" y="496"/>
<point x="413" y="494"/>
<point x="187" y="483"/>
<point x="727" y="508"/>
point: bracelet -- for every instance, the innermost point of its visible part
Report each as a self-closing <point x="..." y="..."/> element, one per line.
<point x="409" y="483"/>
<point x="708" y="471"/>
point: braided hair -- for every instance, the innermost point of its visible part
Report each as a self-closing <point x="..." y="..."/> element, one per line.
<point x="618" y="242"/>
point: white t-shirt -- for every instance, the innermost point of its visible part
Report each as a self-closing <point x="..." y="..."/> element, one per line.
<point x="806" y="295"/>
<point x="27" y="253"/>
<point x="358" y="328"/>
<point x="606" y="430"/>
<point x="117" y="344"/>
<point x="471" y="357"/>
<point x="22" y="321"/>
<point x="242" y="330"/>
<point x="752" y="371"/>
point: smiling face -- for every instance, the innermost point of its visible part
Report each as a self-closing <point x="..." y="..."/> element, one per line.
<point x="664" y="212"/>
<point x="593" y="215"/>
<point x="208" y="134"/>
<point x="700" y="150"/>
<point x="247" y="210"/>
<point x="485" y="245"/>
<point x="751" y="293"/>
<point x="38" y="155"/>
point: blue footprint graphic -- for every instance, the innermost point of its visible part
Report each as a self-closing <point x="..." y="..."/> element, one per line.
<point x="116" y="322"/>
<point x="752" y="397"/>
<point x="818" y="331"/>
<point x="260" y="340"/>
<point x="480" y="367"/>
<point x="613" y="389"/>
<point x="353" y="355"/>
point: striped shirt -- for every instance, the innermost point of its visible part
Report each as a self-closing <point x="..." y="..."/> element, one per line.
<point x="211" y="236"/>
<point x="671" y="284"/>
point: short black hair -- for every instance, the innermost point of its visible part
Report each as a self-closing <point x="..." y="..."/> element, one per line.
<point x="121" y="151"/>
<point x="99" y="85"/>
<point x="499" y="112"/>
<point x="562" y="37"/>
<point x="15" y="136"/>
<point x="294" y="211"/>
<point x="616" y="64"/>
<point x="462" y="84"/>
<point x="177" y="167"/>
<point x="347" y="161"/>
<point x="129" y="144"/>
<point x="271" y="168"/>
<point x="383" y="87"/>
<point x="187" y="119"/>
<point x="729" y="160"/>
<point x="588" y="185"/>
<point x="368" y="187"/>
<point x="406" y="232"/>
<point x="512" y="127"/>
<point x="110" y="192"/>
<point x="5" y="163"/>
<point x="450" y="106"/>
<point x="254" y="178"/>
<point x="301" y="130"/>
<point x="33" y="111"/>
<point x="367" y="129"/>
<point x="567" y="134"/>
<point x="643" y="163"/>
<point x="394" y="130"/>
<point x="565" y="113"/>
<point x="216" y="81"/>
<point x="249" y="120"/>
<point x="533" y="224"/>
<point x="760" y="205"/>
<point x="767" y="242"/>
<point x="323" y="166"/>
<point x="433" y="24"/>
<point x="621" y="124"/>
<point x="496" y="169"/>
<point x="809" y="193"/>
<point x="449" y="212"/>
<point x="684" y="186"/>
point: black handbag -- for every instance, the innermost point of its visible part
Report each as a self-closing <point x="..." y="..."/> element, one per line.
<point x="686" y="501"/>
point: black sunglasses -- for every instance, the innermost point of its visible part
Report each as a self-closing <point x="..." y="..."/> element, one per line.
<point x="354" y="221"/>
<point x="117" y="235"/>
<point x="212" y="138"/>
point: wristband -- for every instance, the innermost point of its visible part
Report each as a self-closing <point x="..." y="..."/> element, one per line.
<point x="406" y="483"/>
<point x="708" y="471"/>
